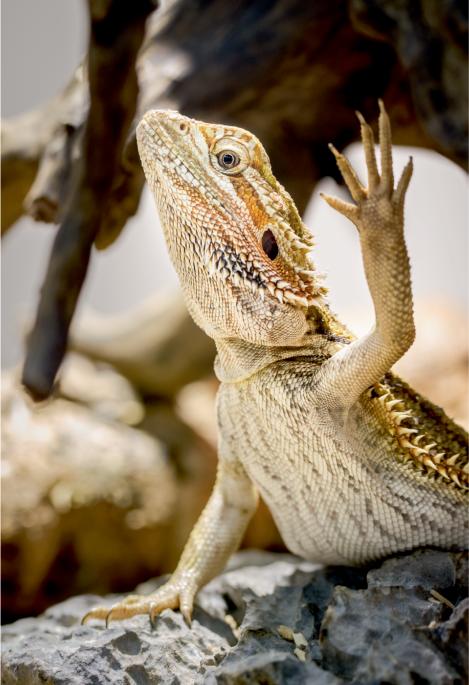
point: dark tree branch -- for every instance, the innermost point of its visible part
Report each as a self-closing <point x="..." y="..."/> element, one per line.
<point x="116" y="34"/>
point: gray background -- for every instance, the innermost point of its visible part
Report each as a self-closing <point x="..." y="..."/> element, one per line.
<point x="42" y="42"/>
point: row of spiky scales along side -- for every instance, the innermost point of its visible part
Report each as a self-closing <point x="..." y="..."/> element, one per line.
<point x="295" y="242"/>
<point x="416" y="446"/>
<point x="299" y="285"/>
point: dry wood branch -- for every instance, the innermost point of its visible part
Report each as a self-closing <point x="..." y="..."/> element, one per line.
<point x="42" y="202"/>
<point x="117" y="30"/>
<point x="36" y="154"/>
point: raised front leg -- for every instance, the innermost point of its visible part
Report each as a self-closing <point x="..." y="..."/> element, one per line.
<point x="379" y="216"/>
<point x="216" y="535"/>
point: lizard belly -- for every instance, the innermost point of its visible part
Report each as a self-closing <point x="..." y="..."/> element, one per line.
<point x="336" y="499"/>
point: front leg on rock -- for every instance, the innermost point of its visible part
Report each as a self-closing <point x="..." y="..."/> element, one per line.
<point x="379" y="217"/>
<point x="216" y="535"/>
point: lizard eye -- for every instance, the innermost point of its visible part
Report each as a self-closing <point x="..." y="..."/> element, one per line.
<point x="228" y="159"/>
<point x="230" y="156"/>
<point x="269" y="244"/>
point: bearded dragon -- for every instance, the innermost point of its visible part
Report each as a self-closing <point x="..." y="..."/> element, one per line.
<point x="353" y="463"/>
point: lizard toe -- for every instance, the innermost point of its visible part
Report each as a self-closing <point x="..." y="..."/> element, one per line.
<point x="124" y="610"/>
<point x="172" y="595"/>
<point x="99" y="612"/>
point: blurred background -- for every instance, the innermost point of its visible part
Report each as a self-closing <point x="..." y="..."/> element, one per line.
<point x="102" y="469"/>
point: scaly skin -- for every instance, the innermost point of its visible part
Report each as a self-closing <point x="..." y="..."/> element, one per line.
<point x="353" y="464"/>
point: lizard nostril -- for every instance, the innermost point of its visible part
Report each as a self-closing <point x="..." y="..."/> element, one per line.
<point x="183" y="127"/>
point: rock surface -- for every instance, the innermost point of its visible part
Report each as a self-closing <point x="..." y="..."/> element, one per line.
<point x="268" y="619"/>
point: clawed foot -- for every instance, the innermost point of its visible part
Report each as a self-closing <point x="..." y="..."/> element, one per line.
<point x="379" y="202"/>
<point x="173" y="595"/>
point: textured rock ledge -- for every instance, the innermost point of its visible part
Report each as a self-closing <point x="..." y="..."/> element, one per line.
<point x="268" y="619"/>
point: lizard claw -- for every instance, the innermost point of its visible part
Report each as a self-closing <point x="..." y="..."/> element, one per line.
<point x="379" y="202"/>
<point x="387" y="177"/>
<point x="97" y="612"/>
<point x="369" y="149"/>
<point x="152" y="614"/>
<point x="172" y="595"/>
<point x="403" y="184"/>
<point x="346" y="208"/>
<point x="187" y="615"/>
<point x="348" y="173"/>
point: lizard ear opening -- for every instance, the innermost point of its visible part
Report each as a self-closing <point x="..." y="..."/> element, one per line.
<point x="269" y="244"/>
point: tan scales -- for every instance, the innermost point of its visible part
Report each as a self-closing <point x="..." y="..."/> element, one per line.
<point x="353" y="464"/>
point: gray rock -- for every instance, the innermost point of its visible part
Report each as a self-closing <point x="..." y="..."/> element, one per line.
<point x="375" y="635"/>
<point x="461" y="562"/>
<point x="426" y="568"/>
<point x="336" y="629"/>
<point x="270" y="667"/>
<point x="451" y="636"/>
<point x="402" y="658"/>
<point x="56" y="649"/>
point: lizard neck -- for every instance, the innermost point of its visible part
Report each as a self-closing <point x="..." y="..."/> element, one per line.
<point x="238" y="360"/>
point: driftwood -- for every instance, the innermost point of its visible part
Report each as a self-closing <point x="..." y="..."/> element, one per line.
<point x="116" y="34"/>
<point x="36" y="154"/>
<point x="292" y="72"/>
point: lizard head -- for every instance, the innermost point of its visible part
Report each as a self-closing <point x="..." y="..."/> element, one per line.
<point x="234" y="234"/>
